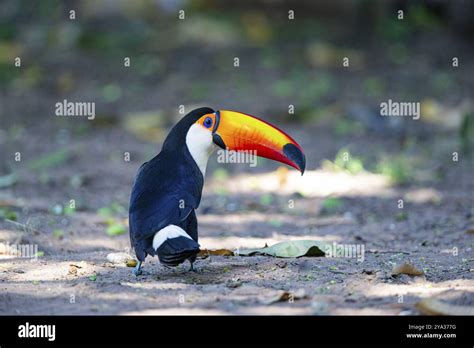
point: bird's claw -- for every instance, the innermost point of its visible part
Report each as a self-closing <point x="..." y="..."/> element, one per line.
<point x="138" y="269"/>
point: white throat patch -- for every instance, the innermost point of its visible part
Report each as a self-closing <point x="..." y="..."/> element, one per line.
<point x="200" y="145"/>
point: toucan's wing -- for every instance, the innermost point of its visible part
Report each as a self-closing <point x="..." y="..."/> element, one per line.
<point x="154" y="210"/>
<point x="166" y="192"/>
<point x="160" y="197"/>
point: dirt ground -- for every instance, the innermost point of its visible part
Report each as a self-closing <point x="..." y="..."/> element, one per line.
<point x="73" y="275"/>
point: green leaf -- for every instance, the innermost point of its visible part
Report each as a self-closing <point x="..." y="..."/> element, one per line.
<point x="276" y="223"/>
<point x="332" y="203"/>
<point x="49" y="160"/>
<point x="68" y="210"/>
<point x="93" y="278"/>
<point x="220" y="174"/>
<point x="266" y="199"/>
<point x="293" y="248"/>
<point x="116" y="229"/>
<point x="105" y="211"/>
<point x="58" y="233"/>
<point x="117" y="207"/>
<point x="9" y="214"/>
<point x="8" y="180"/>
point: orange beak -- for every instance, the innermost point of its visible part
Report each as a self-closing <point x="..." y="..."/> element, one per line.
<point x="241" y="132"/>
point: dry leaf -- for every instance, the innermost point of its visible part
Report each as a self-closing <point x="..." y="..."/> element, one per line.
<point x="204" y="253"/>
<point x="281" y="264"/>
<point x="431" y="306"/>
<point x="7" y="203"/>
<point x="73" y="269"/>
<point x="282" y="174"/>
<point x="148" y="125"/>
<point x="291" y="248"/>
<point x="470" y="230"/>
<point x="119" y="258"/>
<point x="286" y="296"/>
<point x="407" y="268"/>
<point x="234" y="283"/>
<point x="131" y="263"/>
<point x="423" y="195"/>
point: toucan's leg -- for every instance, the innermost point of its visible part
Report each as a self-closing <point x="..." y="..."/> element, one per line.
<point x="191" y="268"/>
<point x="138" y="269"/>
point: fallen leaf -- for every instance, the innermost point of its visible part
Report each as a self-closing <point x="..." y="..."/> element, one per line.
<point x="407" y="268"/>
<point x="122" y="258"/>
<point x="204" y="253"/>
<point x="286" y="296"/>
<point x="293" y="248"/>
<point x="424" y="195"/>
<point x="73" y="270"/>
<point x="7" y="203"/>
<point x="8" y="180"/>
<point x="131" y="263"/>
<point x="49" y="160"/>
<point x="8" y="214"/>
<point x="234" y="283"/>
<point x="116" y="229"/>
<point x="282" y="174"/>
<point x="431" y="306"/>
<point x="81" y="264"/>
<point x="148" y="125"/>
<point x="251" y="293"/>
<point x="470" y="230"/>
<point x="58" y="233"/>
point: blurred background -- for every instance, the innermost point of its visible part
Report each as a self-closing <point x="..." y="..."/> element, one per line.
<point x="190" y="62"/>
<point x="358" y="163"/>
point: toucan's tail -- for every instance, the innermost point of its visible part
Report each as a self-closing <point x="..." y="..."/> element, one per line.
<point x="174" y="246"/>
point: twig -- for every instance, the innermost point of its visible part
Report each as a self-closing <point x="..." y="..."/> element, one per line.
<point x="25" y="227"/>
<point x="388" y="252"/>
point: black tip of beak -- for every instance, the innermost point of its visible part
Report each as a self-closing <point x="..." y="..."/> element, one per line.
<point x="216" y="138"/>
<point x="294" y="154"/>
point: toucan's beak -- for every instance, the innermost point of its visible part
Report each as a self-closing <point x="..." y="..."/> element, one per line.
<point x="241" y="132"/>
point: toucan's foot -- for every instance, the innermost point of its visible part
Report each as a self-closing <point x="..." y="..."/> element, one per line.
<point x="138" y="269"/>
<point x="191" y="268"/>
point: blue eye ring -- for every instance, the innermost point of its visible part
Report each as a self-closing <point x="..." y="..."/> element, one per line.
<point x="207" y="122"/>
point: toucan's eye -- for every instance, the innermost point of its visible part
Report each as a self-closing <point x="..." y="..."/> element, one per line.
<point x="207" y="122"/>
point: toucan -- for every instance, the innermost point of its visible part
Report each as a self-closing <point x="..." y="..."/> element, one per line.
<point x="167" y="189"/>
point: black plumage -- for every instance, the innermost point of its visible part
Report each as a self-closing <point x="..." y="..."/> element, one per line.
<point x="167" y="191"/>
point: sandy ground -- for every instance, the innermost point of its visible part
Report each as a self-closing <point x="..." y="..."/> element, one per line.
<point x="73" y="275"/>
